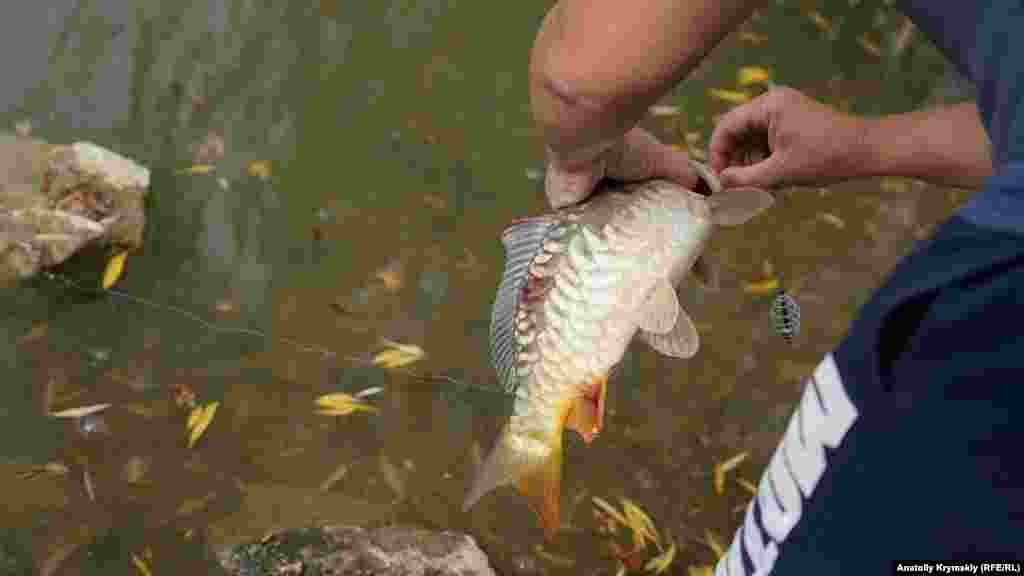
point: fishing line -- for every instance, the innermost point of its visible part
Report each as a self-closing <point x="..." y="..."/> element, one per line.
<point x="325" y="353"/>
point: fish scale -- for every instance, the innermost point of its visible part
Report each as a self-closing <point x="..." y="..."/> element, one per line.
<point x="578" y="285"/>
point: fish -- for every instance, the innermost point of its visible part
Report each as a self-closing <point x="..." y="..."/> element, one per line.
<point x="578" y="285"/>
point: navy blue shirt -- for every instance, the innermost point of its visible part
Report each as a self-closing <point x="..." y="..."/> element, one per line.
<point x="907" y="445"/>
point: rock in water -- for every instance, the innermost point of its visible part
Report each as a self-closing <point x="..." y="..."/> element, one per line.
<point x="55" y="200"/>
<point x="386" y="551"/>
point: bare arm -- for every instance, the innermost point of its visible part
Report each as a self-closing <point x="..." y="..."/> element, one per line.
<point x="597" y="65"/>
<point x="945" y="145"/>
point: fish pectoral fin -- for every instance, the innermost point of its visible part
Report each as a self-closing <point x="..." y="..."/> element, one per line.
<point x="736" y="206"/>
<point x="660" y="309"/>
<point x="680" y="342"/>
<point x="586" y="415"/>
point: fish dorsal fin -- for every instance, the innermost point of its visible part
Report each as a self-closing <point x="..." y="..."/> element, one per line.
<point x="736" y="206"/>
<point x="680" y="342"/>
<point x="522" y="239"/>
<point x="660" y="309"/>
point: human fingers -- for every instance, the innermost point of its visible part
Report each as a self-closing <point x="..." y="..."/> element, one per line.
<point x="768" y="173"/>
<point x="736" y="128"/>
<point x="565" y="187"/>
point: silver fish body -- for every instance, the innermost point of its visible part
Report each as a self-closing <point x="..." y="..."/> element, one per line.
<point x="579" y="285"/>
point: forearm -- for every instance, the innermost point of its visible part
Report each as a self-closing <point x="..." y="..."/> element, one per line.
<point x="945" y="145"/>
<point x="597" y="65"/>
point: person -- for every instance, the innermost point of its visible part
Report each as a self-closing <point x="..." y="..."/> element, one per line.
<point x="905" y="447"/>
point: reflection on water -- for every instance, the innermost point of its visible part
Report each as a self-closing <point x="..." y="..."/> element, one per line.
<point x="397" y="141"/>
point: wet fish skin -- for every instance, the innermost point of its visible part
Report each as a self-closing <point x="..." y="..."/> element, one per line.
<point x="579" y="285"/>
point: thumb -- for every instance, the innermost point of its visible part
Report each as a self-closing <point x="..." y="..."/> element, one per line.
<point x="564" y="187"/>
<point x="765" y="174"/>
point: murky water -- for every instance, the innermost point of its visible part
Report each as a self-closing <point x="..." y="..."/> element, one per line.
<point x="398" y="140"/>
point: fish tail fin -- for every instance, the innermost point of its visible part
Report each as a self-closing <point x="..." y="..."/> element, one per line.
<point x="534" y="464"/>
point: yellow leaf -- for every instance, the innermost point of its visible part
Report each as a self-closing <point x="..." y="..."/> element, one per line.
<point x="722" y="468"/>
<point x="748" y="75"/>
<point x="762" y="287"/>
<point x="197" y="169"/>
<point x="752" y="37"/>
<point x="113" y="270"/>
<point x="700" y="570"/>
<point x="341" y="404"/>
<point x="260" y="169"/>
<point x="397" y="355"/>
<point x="199" y="423"/>
<point x="731" y="96"/>
<point x="661" y="562"/>
<point x="640" y="523"/>
<point x="610" y="510"/>
<point x="141" y="566"/>
<point x="747" y="485"/>
<point x="712" y="541"/>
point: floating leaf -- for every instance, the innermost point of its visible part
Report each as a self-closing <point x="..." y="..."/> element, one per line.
<point x="199" y="420"/>
<point x="640" y="523"/>
<point x="87" y="482"/>
<point x="197" y="169"/>
<point x="141" y="566"/>
<point x="700" y="570"/>
<point x="762" y="287"/>
<point x="184" y="396"/>
<point x="723" y="468"/>
<point x="731" y="96"/>
<point x="748" y="75"/>
<point x="712" y="541"/>
<point x="747" y="485"/>
<point x="397" y="355"/>
<point x="260" y="169"/>
<point x="341" y="404"/>
<point x="832" y="219"/>
<point x="610" y="510"/>
<point x="752" y="37"/>
<point x="391" y="275"/>
<point x="662" y="561"/>
<point x="114" y="269"/>
<point x="661" y="110"/>
<point x="334" y="478"/>
<point x="373" y="391"/>
<point x="81" y="411"/>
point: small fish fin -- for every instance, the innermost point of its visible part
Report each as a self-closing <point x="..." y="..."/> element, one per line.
<point x="736" y="206"/>
<point x="586" y="416"/>
<point x="537" y="474"/>
<point x="522" y="239"/>
<point x="707" y="271"/>
<point x="659" y="311"/>
<point x="682" y="341"/>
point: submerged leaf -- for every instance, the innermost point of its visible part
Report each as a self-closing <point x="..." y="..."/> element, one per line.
<point x="748" y="75"/>
<point x="113" y="270"/>
<point x="662" y="561"/>
<point x="372" y="391"/>
<point x="712" y="541"/>
<point x="700" y="570"/>
<point x="141" y="566"/>
<point x="723" y="468"/>
<point x="397" y="355"/>
<point x="341" y="404"/>
<point x="610" y="510"/>
<point x="731" y="96"/>
<point x="80" y="411"/>
<point x="752" y="37"/>
<point x="197" y="169"/>
<point x="640" y="523"/>
<point x="260" y="169"/>
<point x="747" y="485"/>
<point x="199" y="420"/>
<point x="762" y="287"/>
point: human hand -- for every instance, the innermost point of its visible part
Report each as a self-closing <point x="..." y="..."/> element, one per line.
<point x="808" y="143"/>
<point x="637" y="156"/>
